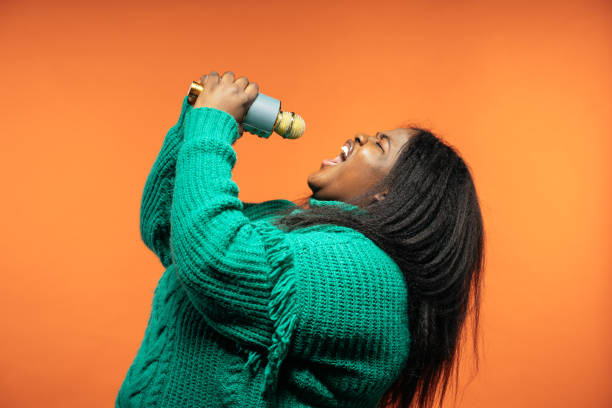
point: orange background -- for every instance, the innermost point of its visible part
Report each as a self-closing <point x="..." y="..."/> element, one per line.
<point x="522" y="89"/>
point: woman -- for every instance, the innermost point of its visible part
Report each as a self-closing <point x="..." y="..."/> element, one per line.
<point x="356" y="298"/>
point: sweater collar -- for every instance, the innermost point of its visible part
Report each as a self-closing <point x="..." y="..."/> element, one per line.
<point x="313" y="202"/>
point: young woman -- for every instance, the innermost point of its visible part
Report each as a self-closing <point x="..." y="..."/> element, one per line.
<point x="355" y="298"/>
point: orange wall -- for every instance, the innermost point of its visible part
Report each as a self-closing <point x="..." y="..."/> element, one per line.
<point x="522" y="89"/>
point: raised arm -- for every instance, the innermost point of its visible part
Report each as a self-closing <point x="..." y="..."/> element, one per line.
<point x="157" y="194"/>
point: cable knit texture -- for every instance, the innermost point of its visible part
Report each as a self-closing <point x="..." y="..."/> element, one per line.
<point x="247" y="315"/>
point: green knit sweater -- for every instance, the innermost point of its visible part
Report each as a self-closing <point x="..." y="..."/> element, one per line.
<point x="247" y="315"/>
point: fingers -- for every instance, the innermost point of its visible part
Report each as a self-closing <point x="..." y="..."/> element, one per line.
<point x="227" y="78"/>
<point x="210" y="80"/>
<point x="242" y="82"/>
<point x="252" y="90"/>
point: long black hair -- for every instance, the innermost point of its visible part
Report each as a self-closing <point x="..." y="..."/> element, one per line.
<point x="430" y="224"/>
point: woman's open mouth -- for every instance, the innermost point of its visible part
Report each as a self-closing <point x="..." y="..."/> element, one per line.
<point x="347" y="149"/>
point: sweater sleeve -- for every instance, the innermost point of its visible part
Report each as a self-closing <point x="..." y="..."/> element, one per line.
<point x="157" y="194"/>
<point x="235" y="271"/>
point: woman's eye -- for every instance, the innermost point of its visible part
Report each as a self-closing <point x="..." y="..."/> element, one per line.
<point x="381" y="148"/>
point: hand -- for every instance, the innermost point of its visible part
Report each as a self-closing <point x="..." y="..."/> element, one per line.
<point x="226" y="94"/>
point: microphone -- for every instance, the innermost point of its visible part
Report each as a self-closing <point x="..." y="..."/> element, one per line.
<point x="265" y="116"/>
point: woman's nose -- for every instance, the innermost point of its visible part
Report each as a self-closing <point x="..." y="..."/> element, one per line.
<point x="361" y="138"/>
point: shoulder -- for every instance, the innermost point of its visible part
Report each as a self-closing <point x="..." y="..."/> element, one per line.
<point x="265" y="209"/>
<point x="343" y="244"/>
<point x="344" y="266"/>
<point x="337" y="262"/>
<point x="328" y="234"/>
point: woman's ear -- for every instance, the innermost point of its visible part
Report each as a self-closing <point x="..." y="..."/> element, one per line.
<point x="380" y="196"/>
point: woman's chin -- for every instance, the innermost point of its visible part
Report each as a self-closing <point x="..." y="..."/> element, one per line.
<point x="311" y="181"/>
<point x="316" y="181"/>
<point x="322" y="177"/>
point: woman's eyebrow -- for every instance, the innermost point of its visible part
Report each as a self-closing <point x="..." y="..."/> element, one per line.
<point x="387" y="137"/>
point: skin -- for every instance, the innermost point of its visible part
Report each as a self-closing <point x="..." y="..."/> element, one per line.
<point x="365" y="166"/>
<point x="228" y="94"/>
<point x="372" y="157"/>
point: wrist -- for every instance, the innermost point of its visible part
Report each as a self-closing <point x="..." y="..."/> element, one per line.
<point x="205" y="122"/>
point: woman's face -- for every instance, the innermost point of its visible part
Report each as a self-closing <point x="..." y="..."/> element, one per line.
<point x="368" y="160"/>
